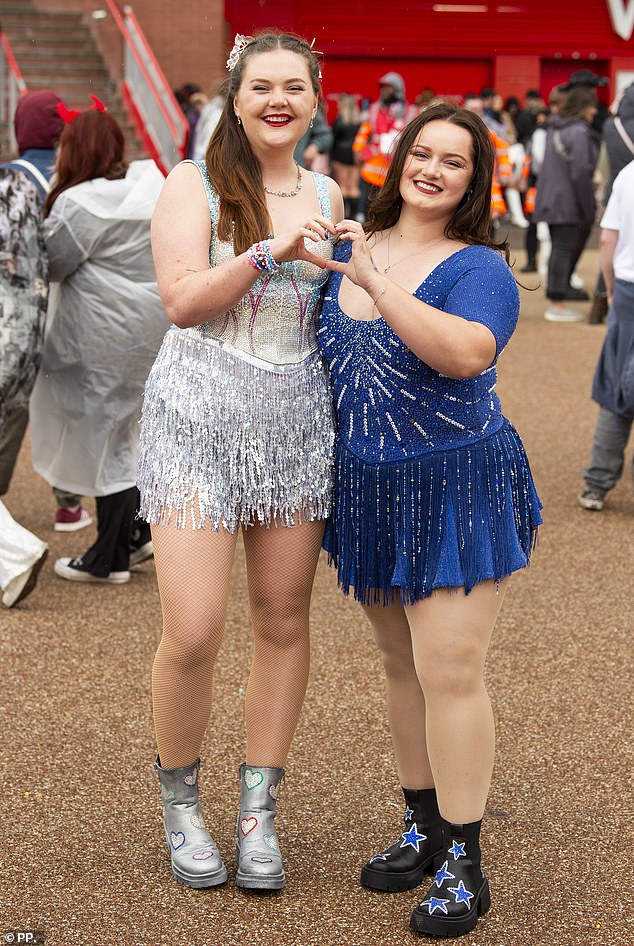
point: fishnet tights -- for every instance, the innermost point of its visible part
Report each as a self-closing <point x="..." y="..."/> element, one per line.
<point x="194" y="576"/>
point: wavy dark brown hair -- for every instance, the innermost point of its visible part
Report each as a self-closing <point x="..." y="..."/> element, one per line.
<point x="471" y="220"/>
<point x="91" y="146"/>
<point x="233" y="168"/>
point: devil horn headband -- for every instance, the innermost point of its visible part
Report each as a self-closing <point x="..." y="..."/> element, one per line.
<point x="70" y="114"/>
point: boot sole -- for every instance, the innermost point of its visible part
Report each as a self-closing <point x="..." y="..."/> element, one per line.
<point x="448" y="927"/>
<point x="392" y="883"/>
<point x="201" y="882"/>
<point x="249" y="882"/>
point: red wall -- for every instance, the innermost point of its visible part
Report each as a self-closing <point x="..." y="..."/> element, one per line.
<point x="513" y="45"/>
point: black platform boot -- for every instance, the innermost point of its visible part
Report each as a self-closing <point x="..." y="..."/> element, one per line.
<point x="459" y="893"/>
<point x="403" y="864"/>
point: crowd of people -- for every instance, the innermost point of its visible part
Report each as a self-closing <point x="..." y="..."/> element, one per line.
<point x="575" y="164"/>
<point x="294" y="339"/>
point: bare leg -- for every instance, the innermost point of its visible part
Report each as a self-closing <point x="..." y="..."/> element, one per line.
<point x="405" y="699"/>
<point x="451" y="632"/>
<point x="194" y="574"/>
<point x="281" y="564"/>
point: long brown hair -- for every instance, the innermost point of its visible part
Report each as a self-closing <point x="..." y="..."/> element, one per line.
<point x="577" y="100"/>
<point x="233" y="168"/>
<point x="471" y="220"/>
<point x="91" y="146"/>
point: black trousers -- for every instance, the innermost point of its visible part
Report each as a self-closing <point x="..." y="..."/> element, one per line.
<point x="11" y="439"/>
<point x="531" y="243"/>
<point x="568" y="241"/>
<point x="115" y="521"/>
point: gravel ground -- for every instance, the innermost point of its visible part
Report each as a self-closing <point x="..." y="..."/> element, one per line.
<point x="84" y="860"/>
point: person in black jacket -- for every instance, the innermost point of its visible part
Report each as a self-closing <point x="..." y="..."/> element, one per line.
<point x="565" y="196"/>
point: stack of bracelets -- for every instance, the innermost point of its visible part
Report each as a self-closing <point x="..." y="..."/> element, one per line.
<point x="261" y="258"/>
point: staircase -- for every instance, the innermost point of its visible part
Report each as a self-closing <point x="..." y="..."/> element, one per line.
<point x="56" y="51"/>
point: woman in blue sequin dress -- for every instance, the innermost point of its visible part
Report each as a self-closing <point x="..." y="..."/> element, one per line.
<point x="237" y="437"/>
<point x="434" y="501"/>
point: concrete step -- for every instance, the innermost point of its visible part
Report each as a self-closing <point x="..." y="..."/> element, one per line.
<point x="74" y="52"/>
<point x="42" y="64"/>
<point x="56" y="51"/>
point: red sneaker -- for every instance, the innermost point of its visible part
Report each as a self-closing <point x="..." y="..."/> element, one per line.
<point x="68" y="521"/>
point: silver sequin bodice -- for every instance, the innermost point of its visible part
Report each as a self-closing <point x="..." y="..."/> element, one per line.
<point x="276" y="320"/>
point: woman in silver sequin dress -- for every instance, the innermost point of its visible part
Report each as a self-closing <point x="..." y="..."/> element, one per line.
<point x="237" y="436"/>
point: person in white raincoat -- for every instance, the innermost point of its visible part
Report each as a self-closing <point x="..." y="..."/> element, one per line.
<point x="105" y="326"/>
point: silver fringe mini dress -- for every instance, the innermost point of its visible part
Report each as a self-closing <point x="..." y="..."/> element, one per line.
<point x="237" y="425"/>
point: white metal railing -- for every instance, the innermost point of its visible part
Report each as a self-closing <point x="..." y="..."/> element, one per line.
<point x="157" y="114"/>
<point x="12" y="86"/>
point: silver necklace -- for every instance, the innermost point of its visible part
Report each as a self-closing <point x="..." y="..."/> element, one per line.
<point x="419" y="250"/>
<point x="294" y="193"/>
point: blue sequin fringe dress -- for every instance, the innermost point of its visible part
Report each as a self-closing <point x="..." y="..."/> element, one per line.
<point x="433" y="488"/>
<point x="237" y="425"/>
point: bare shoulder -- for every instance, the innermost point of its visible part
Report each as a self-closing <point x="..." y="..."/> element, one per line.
<point x="184" y="179"/>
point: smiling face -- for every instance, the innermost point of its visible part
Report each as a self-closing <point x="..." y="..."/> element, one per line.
<point x="438" y="169"/>
<point x="276" y="100"/>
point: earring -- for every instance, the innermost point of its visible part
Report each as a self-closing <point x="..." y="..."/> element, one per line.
<point x="238" y="119"/>
<point x="311" y="123"/>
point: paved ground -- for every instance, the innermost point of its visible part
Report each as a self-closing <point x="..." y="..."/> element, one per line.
<point x="83" y="857"/>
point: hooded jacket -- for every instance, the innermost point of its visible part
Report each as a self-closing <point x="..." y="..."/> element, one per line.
<point x="105" y="325"/>
<point x="565" y="193"/>
<point x="375" y="140"/>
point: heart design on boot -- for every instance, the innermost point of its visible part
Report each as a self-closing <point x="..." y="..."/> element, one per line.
<point x="247" y="825"/>
<point x="203" y="855"/>
<point x="252" y="779"/>
<point x="271" y="841"/>
<point x="197" y="821"/>
<point x="168" y="794"/>
<point x="191" y="779"/>
<point x="274" y="791"/>
<point x="178" y="839"/>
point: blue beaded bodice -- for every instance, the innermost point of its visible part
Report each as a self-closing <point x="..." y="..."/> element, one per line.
<point x="389" y="403"/>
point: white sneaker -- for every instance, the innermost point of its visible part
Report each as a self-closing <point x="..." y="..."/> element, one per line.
<point x="74" y="569"/>
<point x="590" y="499"/>
<point x="18" y="588"/>
<point x="576" y="281"/>
<point x="141" y="554"/>
<point x="563" y="315"/>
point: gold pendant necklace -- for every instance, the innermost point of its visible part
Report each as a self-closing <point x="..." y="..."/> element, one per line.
<point x="418" y="251"/>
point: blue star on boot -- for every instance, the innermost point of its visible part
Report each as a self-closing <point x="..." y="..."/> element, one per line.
<point x="404" y="863"/>
<point x="459" y="892"/>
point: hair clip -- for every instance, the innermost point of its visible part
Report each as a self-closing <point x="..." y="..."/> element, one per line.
<point x="239" y="43"/>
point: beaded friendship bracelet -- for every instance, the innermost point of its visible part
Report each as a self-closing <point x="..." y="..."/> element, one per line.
<point x="261" y="258"/>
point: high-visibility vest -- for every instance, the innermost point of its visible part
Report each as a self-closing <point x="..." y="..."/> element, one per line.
<point x="498" y="204"/>
<point x="376" y="137"/>
<point x="503" y="163"/>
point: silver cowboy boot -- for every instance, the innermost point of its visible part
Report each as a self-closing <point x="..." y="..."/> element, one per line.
<point x="258" y="850"/>
<point x="195" y="858"/>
